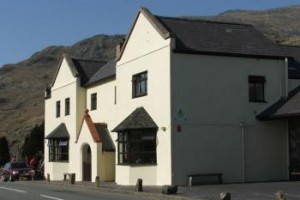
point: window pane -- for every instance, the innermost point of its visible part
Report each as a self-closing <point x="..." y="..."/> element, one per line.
<point x="67" y="106"/>
<point x="139" y="84"/>
<point x="94" y="101"/>
<point x="58" y="109"/>
<point x="137" y="147"/>
<point x="256" y="88"/>
<point x="58" y="150"/>
<point x="260" y="92"/>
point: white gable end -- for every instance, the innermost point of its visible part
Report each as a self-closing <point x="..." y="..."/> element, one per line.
<point x="64" y="75"/>
<point x="144" y="39"/>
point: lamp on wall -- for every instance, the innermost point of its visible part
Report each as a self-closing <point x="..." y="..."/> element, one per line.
<point x="163" y="128"/>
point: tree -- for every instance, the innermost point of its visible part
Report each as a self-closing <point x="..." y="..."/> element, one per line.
<point x="34" y="142"/>
<point x="4" y="151"/>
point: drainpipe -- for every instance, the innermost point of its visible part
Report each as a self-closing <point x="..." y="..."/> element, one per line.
<point x="242" y="125"/>
<point x="286" y="76"/>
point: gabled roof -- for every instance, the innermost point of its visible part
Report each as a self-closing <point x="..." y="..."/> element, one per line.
<point x="107" y="71"/>
<point x="99" y="132"/>
<point x="286" y="107"/>
<point x="204" y="36"/>
<point x="138" y="119"/>
<point x="59" y="132"/>
<point x="107" y="142"/>
<point x="210" y="37"/>
<point x="87" y="68"/>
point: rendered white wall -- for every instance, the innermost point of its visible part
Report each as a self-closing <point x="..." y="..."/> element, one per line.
<point x="147" y="51"/>
<point x="212" y="94"/>
<point x="65" y="86"/>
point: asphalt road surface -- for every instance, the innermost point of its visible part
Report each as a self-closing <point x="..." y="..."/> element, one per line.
<point x="26" y="190"/>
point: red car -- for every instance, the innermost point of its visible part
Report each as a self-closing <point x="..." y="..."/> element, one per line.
<point x="15" y="170"/>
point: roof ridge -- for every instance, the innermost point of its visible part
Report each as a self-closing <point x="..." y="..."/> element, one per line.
<point x="289" y="45"/>
<point x="203" y="20"/>
<point x="86" y="59"/>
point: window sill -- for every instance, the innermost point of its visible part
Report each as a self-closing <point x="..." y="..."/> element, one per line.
<point x="141" y="95"/>
<point x="138" y="165"/>
<point x="258" y="101"/>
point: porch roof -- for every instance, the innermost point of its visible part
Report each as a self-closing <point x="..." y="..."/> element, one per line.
<point x="138" y="119"/>
<point x="59" y="132"/>
<point x="107" y="142"/>
<point x="283" y="108"/>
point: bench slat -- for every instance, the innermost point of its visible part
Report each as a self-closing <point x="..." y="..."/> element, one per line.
<point x="191" y="176"/>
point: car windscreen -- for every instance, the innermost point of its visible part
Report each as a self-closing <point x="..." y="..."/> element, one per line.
<point x="18" y="165"/>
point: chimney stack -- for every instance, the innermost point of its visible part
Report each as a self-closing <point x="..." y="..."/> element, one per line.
<point x="119" y="49"/>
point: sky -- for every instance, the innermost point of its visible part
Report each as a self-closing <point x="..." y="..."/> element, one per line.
<point x="28" y="26"/>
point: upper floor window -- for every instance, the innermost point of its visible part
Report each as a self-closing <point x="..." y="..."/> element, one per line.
<point x="57" y="108"/>
<point x="67" y="106"/>
<point x="256" y="88"/>
<point x="94" y="101"/>
<point x="139" y="84"/>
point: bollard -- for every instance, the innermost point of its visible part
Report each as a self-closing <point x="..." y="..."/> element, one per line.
<point x="97" y="181"/>
<point x="225" y="196"/>
<point x="72" y="179"/>
<point x="279" y="196"/>
<point x="48" y="177"/>
<point x="139" y="185"/>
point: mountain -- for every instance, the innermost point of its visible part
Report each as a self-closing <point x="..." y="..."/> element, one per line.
<point x="281" y="24"/>
<point x="22" y="84"/>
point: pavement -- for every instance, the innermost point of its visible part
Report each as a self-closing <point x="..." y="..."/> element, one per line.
<point x="246" y="191"/>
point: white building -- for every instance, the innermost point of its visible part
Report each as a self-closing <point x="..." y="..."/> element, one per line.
<point x="182" y="97"/>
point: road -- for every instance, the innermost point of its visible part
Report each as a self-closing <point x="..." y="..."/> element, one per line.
<point x="26" y="190"/>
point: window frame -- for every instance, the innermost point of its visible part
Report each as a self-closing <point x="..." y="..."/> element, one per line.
<point x="256" y="88"/>
<point x="58" y="107"/>
<point x="67" y="106"/>
<point x="140" y="84"/>
<point x="57" y="150"/>
<point x="137" y="147"/>
<point x="94" y="101"/>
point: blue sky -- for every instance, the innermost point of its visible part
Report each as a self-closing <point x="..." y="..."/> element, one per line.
<point x="28" y="26"/>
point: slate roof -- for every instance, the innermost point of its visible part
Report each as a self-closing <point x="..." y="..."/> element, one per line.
<point x="59" y="132"/>
<point x="87" y="68"/>
<point x="286" y="107"/>
<point x="106" y="71"/>
<point x="219" y="38"/>
<point x="294" y="61"/>
<point x="200" y="36"/>
<point x="107" y="142"/>
<point x="99" y="132"/>
<point x="138" y="119"/>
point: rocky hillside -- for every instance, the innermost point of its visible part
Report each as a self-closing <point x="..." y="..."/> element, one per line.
<point x="281" y="24"/>
<point x="22" y="84"/>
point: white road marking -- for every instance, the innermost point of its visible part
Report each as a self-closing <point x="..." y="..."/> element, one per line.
<point x="14" y="190"/>
<point x="49" y="197"/>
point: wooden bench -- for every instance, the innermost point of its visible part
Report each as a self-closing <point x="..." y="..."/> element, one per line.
<point x="193" y="176"/>
<point x="295" y="173"/>
<point x="71" y="177"/>
<point x="294" y="176"/>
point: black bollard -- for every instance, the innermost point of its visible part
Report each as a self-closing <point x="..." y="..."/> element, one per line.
<point x="139" y="185"/>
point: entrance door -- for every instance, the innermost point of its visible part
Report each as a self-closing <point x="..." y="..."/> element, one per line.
<point x="86" y="163"/>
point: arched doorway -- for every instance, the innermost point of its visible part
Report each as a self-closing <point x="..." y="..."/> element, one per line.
<point x="86" y="163"/>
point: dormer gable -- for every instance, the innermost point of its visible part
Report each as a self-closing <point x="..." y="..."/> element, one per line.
<point x="70" y="69"/>
<point x="66" y="72"/>
<point x="146" y="32"/>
